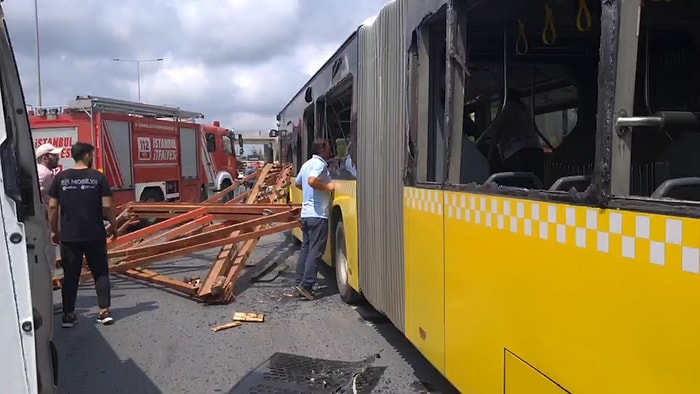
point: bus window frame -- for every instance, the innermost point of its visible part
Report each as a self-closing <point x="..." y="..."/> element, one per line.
<point x="620" y="28"/>
<point x="457" y="17"/>
<point x="421" y="162"/>
<point x="617" y="89"/>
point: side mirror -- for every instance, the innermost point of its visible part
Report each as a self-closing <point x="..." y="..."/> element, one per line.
<point x="273" y="133"/>
<point x="240" y="141"/>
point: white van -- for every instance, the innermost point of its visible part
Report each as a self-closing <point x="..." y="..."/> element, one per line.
<point x="29" y="358"/>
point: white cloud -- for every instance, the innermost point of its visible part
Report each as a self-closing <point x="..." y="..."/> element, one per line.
<point x="237" y="61"/>
<point x="311" y="57"/>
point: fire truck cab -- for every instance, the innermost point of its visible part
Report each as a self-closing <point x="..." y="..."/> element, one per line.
<point x="219" y="145"/>
<point x="147" y="152"/>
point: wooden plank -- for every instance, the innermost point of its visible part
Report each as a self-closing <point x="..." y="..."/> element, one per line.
<point x="152" y="229"/>
<point x="241" y="208"/>
<point x="129" y="264"/>
<point x="238" y="263"/>
<point x="239" y="198"/>
<point x="222" y="264"/>
<point x="249" y="317"/>
<point x="236" y="260"/>
<point x="236" y="218"/>
<point x="195" y="239"/>
<point x="226" y="326"/>
<point x="186" y="234"/>
<point x="179" y="231"/>
<point x="158" y="279"/>
<point x="236" y="184"/>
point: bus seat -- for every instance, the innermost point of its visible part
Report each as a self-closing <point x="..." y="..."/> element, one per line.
<point x="565" y="183"/>
<point x="679" y="188"/>
<point x="525" y="180"/>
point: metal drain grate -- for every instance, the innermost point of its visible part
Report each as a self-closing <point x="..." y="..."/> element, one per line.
<point x="285" y="373"/>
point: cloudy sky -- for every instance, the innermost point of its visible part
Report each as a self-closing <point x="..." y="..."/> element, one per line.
<point x="237" y="61"/>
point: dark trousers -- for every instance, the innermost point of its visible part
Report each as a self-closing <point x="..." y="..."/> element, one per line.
<point x="313" y="245"/>
<point x="95" y="253"/>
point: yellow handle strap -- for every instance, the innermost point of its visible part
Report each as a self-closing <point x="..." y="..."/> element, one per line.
<point x="551" y="38"/>
<point x="583" y="18"/>
<point x="521" y="45"/>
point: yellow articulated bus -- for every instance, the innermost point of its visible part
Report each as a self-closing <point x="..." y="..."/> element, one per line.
<point x="569" y="266"/>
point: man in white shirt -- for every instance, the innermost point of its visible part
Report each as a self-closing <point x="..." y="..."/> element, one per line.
<point x="47" y="157"/>
<point x="314" y="180"/>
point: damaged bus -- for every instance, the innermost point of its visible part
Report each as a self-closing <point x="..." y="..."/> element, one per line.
<point x="518" y="187"/>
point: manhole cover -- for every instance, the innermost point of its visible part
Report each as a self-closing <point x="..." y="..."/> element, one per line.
<point x="285" y="373"/>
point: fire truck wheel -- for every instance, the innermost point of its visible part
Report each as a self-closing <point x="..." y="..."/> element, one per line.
<point x="229" y="196"/>
<point x="224" y="185"/>
<point x="340" y="261"/>
<point x="151" y="195"/>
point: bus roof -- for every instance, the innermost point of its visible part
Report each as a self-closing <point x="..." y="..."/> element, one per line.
<point x="417" y="10"/>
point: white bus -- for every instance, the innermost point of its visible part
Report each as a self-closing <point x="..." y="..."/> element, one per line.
<point x="29" y="358"/>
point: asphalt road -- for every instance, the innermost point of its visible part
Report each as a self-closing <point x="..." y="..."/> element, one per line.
<point x="162" y="343"/>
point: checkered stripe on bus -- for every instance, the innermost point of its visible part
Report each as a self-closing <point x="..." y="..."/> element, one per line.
<point x="661" y="240"/>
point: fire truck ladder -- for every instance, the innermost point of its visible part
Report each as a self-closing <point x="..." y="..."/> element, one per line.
<point x="94" y="104"/>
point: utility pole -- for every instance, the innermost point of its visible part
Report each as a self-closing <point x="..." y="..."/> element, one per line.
<point x="138" y="69"/>
<point x="38" y="53"/>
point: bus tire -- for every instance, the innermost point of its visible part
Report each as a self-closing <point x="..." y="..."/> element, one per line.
<point x="347" y="293"/>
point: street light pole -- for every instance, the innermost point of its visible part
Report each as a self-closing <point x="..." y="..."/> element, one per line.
<point x="138" y="79"/>
<point x="38" y="54"/>
<point x="138" y="69"/>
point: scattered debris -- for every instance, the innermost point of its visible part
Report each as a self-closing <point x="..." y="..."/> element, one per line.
<point x="249" y="317"/>
<point x="239" y="318"/>
<point x="226" y="326"/>
<point x="234" y="226"/>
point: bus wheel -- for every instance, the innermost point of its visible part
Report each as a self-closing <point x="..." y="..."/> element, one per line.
<point x="347" y="293"/>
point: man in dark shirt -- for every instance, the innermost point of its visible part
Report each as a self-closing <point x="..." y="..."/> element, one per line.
<point x="81" y="197"/>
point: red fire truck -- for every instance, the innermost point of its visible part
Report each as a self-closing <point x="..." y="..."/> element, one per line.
<point x="147" y="152"/>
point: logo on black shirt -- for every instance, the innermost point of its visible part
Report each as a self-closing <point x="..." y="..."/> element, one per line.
<point x="79" y="183"/>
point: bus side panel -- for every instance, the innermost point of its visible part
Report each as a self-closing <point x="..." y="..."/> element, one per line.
<point x="381" y="124"/>
<point x="596" y="301"/>
<point x="345" y="199"/>
<point x="296" y="197"/>
<point x="424" y="273"/>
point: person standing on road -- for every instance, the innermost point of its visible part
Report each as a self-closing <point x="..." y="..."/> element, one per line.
<point x="83" y="197"/>
<point x="315" y="182"/>
<point x="47" y="157"/>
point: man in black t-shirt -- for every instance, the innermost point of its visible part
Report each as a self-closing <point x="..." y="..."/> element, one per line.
<point x="81" y="197"/>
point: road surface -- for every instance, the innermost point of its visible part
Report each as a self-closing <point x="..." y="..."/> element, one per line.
<point x="162" y="343"/>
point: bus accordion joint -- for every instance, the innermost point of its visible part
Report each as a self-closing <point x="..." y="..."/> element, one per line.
<point x="521" y="45"/>
<point x="583" y="18"/>
<point x="549" y="32"/>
